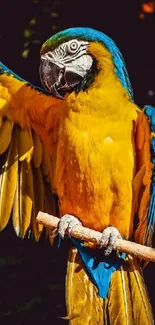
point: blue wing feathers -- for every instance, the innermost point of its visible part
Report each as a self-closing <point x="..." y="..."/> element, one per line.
<point x="4" y="69"/>
<point x="150" y="113"/>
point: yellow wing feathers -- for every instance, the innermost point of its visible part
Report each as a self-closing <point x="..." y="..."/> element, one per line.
<point x="25" y="170"/>
<point x="84" y="306"/>
<point x="22" y="184"/>
<point x="8" y="180"/>
<point x="38" y="151"/>
<point x="127" y="290"/>
<point x="26" y="104"/>
<point x="27" y="117"/>
<point x="5" y="134"/>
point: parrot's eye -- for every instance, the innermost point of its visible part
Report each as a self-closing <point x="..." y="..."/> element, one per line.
<point x="73" y="46"/>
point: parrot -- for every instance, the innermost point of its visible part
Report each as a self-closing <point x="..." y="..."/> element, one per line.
<point x="81" y="148"/>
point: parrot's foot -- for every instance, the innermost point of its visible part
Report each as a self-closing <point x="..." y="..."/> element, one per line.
<point x="66" y="224"/>
<point x="109" y="235"/>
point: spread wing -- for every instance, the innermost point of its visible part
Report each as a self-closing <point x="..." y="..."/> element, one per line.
<point x="144" y="181"/>
<point x="27" y="117"/>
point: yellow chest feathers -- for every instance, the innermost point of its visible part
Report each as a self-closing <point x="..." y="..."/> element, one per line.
<point x="94" y="169"/>
<point x="97" y="144"/>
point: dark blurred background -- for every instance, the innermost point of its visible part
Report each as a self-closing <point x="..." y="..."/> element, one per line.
<point x="32" y="275"/>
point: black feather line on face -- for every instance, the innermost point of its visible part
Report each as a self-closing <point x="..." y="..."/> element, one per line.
<point x="89" y="78"/>
<point x="85" y="82"/>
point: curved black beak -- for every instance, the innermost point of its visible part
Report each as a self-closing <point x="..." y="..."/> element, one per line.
<point x="51" y="76"/>
<point x="57" y="80"/>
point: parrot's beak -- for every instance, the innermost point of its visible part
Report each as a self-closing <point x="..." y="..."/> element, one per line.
<point x="51" y="76"/>
<point x="57" y="79"/>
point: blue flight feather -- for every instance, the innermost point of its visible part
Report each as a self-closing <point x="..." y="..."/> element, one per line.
<point x="98" y="266"/>
<point x="4" y="69"/>
<point x="97" y="36"/>
<point x="150" y="113"/>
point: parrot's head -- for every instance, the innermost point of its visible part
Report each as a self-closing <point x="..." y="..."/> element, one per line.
<point x="72" y="59"/>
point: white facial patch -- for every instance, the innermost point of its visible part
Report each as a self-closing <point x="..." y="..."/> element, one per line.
<point x="72" y="56"/>
<point x="81" y="65"/>
<point x="67" y="51"/>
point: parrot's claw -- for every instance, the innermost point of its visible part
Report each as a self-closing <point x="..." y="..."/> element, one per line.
<point x="66" y="224"/>
<point x="109" y="235"/>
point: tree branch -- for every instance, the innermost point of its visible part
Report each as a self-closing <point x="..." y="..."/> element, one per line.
<point x="93" y="237"/>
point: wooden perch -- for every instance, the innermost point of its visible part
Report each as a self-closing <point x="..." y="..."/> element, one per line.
<point x="89" y="235"/>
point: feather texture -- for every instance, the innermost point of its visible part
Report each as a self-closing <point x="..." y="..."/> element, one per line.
<point x="119" y="295"/>
<point x="8" y="181"/>
<point x="127" y="287"/>
<point x="143" y="183"/>
<point x="21" y="184"/>
<point x="38" y="202"/>
<point x="23" y="199"/>
<point x="28" y="167"/>
<point x="127" y="301"/>
<point x="25" y="145"/>
<point x="37" y="152"/>
<point x="5" y="134"/>
<point x="84" y="306"/>
<point x="142" y="312"/>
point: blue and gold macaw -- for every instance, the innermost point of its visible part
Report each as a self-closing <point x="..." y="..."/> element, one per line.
<point x="86" y="137"/>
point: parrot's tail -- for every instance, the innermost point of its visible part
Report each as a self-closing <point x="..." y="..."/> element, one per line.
<point x="127" y="302"/>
